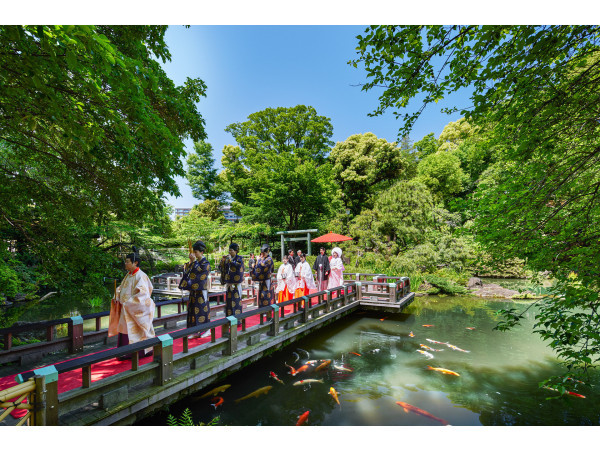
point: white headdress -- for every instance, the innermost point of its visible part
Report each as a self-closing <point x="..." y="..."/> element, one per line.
<point x="337" y="250"/>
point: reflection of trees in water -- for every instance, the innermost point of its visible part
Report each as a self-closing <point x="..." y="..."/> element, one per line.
<point x="512" y="396"/>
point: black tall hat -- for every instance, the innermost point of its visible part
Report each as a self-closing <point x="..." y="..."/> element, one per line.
<point x="135" y="256"/>
<point x="265" y="248"/>
<point x="233" y="246"/>
<point x="200" y="246"/>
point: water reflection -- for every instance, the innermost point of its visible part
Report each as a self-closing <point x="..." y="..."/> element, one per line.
<point x="498" y="382"/>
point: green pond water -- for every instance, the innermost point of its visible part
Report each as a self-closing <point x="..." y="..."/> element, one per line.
<point x="498" y="382"/>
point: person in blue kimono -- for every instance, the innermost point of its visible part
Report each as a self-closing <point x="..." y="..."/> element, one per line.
<point x="232" y="274"/>
<point x="195" y="279"/>
<point x="262" y="273"/>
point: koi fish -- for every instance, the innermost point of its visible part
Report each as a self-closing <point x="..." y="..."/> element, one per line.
<point x="342" y="368"/>
<point x="444" y="371"/>
<point x="411" y="334"/>
<point x="218" y="402"/>
<point x="292" y="370"/>
<point x="216" y="391"/>
<point x="357" y="354"/>
<point x="301" y="369"/>
<point x="576" y="381"/>
<point x="382" y="319"/>
<point x="297" y="356"/>
<point x="423" y="352"/>
<point x="312" y="362"/>
<point x="307" y="381"/>
<point x="427" y="326"/>
<point x="304" y="351"/>
<point x="436" y="342"/>
<point x="454" y="347"/>
<point x="574" y="394"/>
<point x="411" y="408"/>
<point x="263" y="390"/>
<point x="334" y="394"/>
<point x="274" y="376"/>
<point x="431" y="349"/>
<point x="302" y="418"/>
<point x="470" y="328"/>
<point x="323" y="365"/>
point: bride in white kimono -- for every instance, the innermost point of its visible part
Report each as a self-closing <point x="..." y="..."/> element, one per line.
<point x="336" y="276"/>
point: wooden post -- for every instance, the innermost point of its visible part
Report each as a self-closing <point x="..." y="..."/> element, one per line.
<point x="98" y="323"/>
<point x="358" y="287"/>
<point x="163" y="354"/>
<point x="329" y="306"/>
<point x="7" y="341"/>
<point x="39" y="401"/>
<point x="185" y="344"/>
<point x="345" y="295"/>
<point x="76" y="334"/>
<point x="306" y="309"/>
<point x="232" y="343"/>
<point x="49" y="333"/>
<point x="135" y="361"/>
<point x="393" y="290"/>
<point x="49" y="409"/>
<point x="86" y="376"/>
<point x="274" y="331"/>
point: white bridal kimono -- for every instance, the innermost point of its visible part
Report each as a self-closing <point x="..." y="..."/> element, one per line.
<point x="336" y="276"/>
<point x="133" y="312"/>
<point x="286" y="278"/>
<point x="306" y="279"/>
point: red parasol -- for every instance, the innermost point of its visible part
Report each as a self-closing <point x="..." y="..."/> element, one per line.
<point x="331" y="237"/>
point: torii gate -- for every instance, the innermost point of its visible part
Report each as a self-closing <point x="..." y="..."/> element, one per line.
<point x="307" y="238"/>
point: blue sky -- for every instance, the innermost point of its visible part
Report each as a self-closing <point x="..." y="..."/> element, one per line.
<point x="250" y="68"/>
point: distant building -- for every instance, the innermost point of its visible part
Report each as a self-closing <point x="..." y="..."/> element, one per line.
<point x="181" y="212"/>
<point x="229" y="214"/>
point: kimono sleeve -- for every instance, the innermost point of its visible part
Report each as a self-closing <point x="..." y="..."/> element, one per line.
<point x="262" y="270"/>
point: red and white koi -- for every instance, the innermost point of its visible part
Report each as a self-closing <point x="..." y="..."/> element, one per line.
<point x="275" y="377"/>
<point x="574" y="394"/>
<point x="470" y="328"/>
<point x="436" y="342"/>
<point x="454" y="347"/>
<point x="218" y="401"/>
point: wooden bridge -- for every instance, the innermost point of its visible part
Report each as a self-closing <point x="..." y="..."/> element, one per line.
<point x="83" y="391"/>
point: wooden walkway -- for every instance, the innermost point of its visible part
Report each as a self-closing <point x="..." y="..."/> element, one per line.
<point x="182" y="365"/>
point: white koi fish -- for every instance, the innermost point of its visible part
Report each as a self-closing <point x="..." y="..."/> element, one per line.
<point x="307" y="381"/>
<point x="423" y="352"/>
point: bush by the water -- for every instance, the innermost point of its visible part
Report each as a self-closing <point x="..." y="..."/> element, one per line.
<point x="446" y="286"/>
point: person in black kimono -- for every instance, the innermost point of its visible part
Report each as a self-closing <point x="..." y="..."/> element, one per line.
<point x="291" y="258"/>
<point x="262" y="273"/>
<point x="195" y="278"/>
<point x="232" y="274"/>
<point x="321" y="266"/>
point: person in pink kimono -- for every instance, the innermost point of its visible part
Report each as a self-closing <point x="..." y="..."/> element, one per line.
<point x="336" y="266"/>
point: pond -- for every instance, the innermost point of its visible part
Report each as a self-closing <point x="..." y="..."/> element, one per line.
<point x="497" y="383"/>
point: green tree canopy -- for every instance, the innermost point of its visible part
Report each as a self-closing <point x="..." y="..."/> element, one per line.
<point x="278" y="173"/>
<point x="91" y="129"/>
<point x="364" y="165"/>
<point x="202" y="174"/>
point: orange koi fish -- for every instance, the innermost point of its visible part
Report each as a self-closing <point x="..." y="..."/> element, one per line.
<point x="411" y="334"/>
<point x="218" y="402"/>
<point x="431" y="349"/>
<point x="454" y="347"/>
<point x="263" y="390"/>
<point x="357" y="354"/>
<point x="427" y="326"/>
<point x="470" y="328"/>
<point x="323" y="365"/>
<point x="292" y="370"/>
<point x="574" y="394"/>
<point x="444" y="371"/>
<point x="303" y="418"/>
<point x="411" y="408"/>
<point x="274" y="376"/>
<point x="383" y="318"/>
<point x="334" y="394"/>
<point x="301" y="369"/>
<point x="576" y="381"/>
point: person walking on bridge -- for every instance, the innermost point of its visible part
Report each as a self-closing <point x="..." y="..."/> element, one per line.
<point x="286" y="281"/>
<point x="304" y="278"/>
<point x="132" y="308"/>
<point x="321" y="267"/>
<point x="232" y="273"/>
<point x="195" y="278"/>
<point x="262" y="273"/>
<point x="336" y="276"/>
